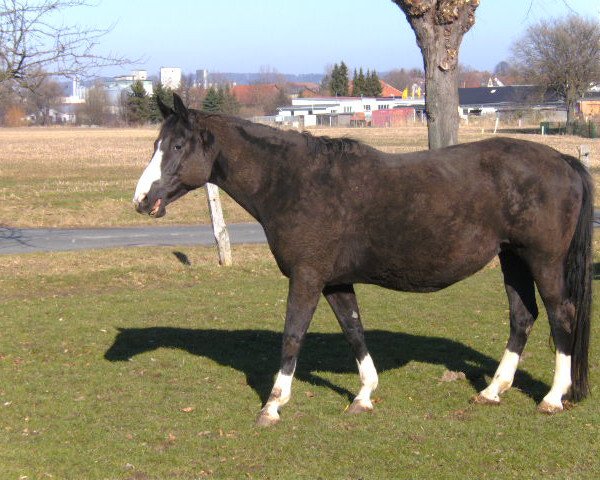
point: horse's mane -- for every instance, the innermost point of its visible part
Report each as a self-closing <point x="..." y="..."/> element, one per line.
<point x="324" y="145"/>
<point x="317" y="145"/>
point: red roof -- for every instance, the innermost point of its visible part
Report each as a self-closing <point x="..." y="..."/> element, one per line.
<point x="388" y="91"/>
<point x="254" y="94"/>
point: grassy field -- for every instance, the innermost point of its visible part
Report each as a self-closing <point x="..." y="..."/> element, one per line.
<point x="131" y="364"/>
<point x="128" y="364"/>
<point x="82" y="177"/>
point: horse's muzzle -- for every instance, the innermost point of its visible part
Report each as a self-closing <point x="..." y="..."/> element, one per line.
<point x="156" y="210"/>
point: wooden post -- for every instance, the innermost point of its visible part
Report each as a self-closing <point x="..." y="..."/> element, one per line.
<point x="584" y="155"/>
<point x="218" y="224"/>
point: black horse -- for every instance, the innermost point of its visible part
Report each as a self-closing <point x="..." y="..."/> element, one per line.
<point x="337" y="212"/>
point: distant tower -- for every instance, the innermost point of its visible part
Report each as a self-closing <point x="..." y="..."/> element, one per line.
<point x="170" y="77"/>
<point x="78" y="93"/>
<point x="202" y="78"/>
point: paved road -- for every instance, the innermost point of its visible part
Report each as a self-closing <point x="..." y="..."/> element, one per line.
<point x="27" y="240"/>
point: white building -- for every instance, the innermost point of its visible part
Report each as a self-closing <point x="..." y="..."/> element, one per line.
<point x="139" y="75"/>
<point x="78" y="93"/>
<point x="202" y="78"/>
<point x="310" y="109"/>
<point x="170" y="77"/>
<point x="116" y="87"/>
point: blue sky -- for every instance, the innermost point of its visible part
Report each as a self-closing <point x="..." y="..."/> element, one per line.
<point x="303" y="36"/>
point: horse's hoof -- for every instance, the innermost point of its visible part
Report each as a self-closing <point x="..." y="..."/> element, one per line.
<point x="548" y="408"/>
<point x="265" y="419"/>
<point x="359" y="406"/>
<point x="479" y="399"/>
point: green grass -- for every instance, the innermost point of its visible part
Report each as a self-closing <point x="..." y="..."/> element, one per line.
<point x="126" y="364"/>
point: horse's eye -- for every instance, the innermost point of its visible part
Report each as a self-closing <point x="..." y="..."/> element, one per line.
<point x="177" y="147"/>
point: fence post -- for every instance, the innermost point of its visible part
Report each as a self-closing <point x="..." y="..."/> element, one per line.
<point x="218" y="224"/>
<point x="584" y="154"/>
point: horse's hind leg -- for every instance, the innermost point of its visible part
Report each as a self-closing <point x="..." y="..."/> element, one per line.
<point x="520" y="289"/>
<point x="550" y="281"/>
<point x="342" y="300"/>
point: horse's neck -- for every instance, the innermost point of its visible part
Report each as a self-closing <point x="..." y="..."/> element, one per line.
<point x="241" y="168"/>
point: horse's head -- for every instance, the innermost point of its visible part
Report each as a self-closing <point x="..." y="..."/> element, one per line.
<point x="182" y="161"/>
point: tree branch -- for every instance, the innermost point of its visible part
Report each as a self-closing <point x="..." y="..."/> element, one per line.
<point x="31" y="45"/>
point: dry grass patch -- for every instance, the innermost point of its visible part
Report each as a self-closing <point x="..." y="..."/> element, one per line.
<point x="76" y="177"/>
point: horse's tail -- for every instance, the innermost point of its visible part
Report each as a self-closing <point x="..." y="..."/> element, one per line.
<point x="578" y="272"/>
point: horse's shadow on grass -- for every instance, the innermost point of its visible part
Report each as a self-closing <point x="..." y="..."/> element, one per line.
<point x="256" y="354"/>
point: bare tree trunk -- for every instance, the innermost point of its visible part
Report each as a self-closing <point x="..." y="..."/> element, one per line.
<point x="439" y="26"/>
<point x="441" y="105"/>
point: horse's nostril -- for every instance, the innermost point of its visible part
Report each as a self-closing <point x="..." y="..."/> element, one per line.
<point x="140" y="204"/>
<point x="138" y="200"/>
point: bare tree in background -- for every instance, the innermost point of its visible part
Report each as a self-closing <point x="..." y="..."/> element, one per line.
<point x="41" y="100"/>
<point x="96" y="109"/>
<point x="469" y="77"/>
<point x="268" y="74"/>
<point x="402" y="78"/>
<point x="439" y="26"/>
<point x="562" y="55"/>
<point x="34" y="46"/>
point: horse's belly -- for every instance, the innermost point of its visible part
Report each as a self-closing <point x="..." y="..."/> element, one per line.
<point x="426" y="273"/>
<point x="410" y="282"/>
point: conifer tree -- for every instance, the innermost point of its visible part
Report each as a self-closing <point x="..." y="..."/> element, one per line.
<point x="345" y="83"/>
<point x="137" y="104"/>
<point x="230" y="104"/>
<point x="338" y="84"/>
<point x="211" y="102"/>
<point x="220" y="100"/>
<point x="372" y="84"/>
<point x="166" y="96"/>
<point x="359" y="85"/>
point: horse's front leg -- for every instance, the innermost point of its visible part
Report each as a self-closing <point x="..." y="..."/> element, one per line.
<point x="303" y="296"/>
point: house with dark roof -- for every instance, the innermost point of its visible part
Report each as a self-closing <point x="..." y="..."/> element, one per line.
<point x="499" y="100"/>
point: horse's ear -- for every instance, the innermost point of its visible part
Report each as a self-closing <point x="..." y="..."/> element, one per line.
<point x="180" y="108"/>
<point x="165" y="110"/>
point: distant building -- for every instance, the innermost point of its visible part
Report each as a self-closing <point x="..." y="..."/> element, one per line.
<point x="202" y="78"/>
<point x="78" y="93"/>
<point x="139" y="75"/>
<point x="505" y="100"/>
<point x="346" y="111"/>
<point x="589" y="105"/>
<point x="170" y="77"/>
<point x="116" y="87"/>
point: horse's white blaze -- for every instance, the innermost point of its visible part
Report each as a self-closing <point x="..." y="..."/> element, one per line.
<point x="503" y="377"/>
<point x="280" y="395"/>
<point x="562" y="380"/>
<point x="151" y="174"/>
<point x="368" y="379"/>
